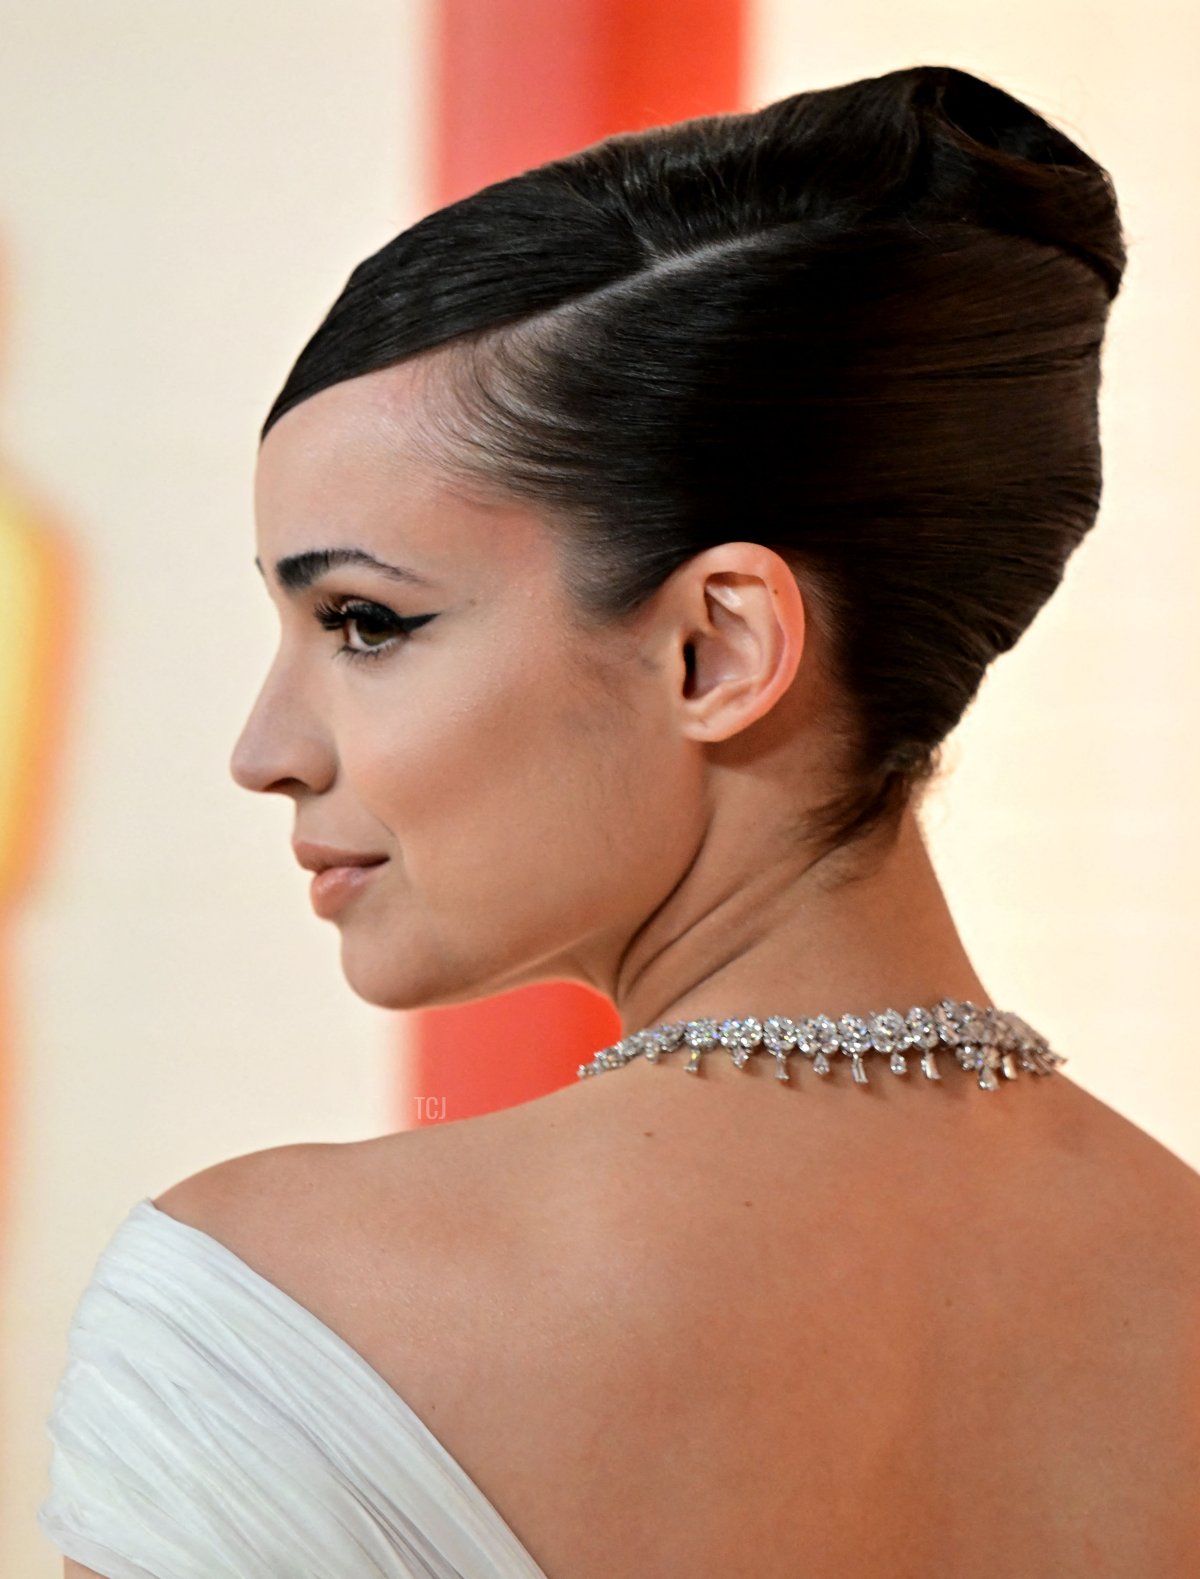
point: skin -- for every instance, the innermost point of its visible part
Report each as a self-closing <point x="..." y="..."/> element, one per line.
<point x="947" y="1297"/>
<point x="559" y="800"/>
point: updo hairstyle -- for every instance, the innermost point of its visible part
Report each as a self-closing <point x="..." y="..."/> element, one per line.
<point x="861" y="325"/>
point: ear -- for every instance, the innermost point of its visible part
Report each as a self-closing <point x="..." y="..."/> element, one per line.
<point x="743" y="627"/>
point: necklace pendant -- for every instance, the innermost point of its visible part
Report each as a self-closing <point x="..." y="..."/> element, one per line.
<point x="860" y="1073"/>
<point x="929" y="1066"/>
<point x="741" y="1037"/>
<point x="989" y="1060"/>
<point x="820" y="1063"/>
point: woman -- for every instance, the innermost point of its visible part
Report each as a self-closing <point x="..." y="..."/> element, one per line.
<point x="664" y="508"/>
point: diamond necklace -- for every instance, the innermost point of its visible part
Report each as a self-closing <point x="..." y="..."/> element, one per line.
<point x="980" y="1039"/>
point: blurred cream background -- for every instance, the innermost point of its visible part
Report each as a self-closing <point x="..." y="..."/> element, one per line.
<point x="183" y="190"/>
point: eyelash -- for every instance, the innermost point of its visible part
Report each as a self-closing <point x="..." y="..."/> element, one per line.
<point x="333" y="616"/>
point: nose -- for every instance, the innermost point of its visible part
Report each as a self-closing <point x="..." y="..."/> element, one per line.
<point x="281" y="747"/>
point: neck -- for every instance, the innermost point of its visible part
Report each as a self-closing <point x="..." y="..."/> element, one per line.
<point x="793" y="942"/>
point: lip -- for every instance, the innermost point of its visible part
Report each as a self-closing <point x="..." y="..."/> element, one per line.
<point x="333" y="887"/>
<point x="317" y="857"/>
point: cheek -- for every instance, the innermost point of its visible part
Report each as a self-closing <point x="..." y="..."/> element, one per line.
<point x="520" y="777"/>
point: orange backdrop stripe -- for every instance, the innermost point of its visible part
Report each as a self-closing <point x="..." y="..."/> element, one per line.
<point x="35" y="730"/>
<point x="520" y="82"/>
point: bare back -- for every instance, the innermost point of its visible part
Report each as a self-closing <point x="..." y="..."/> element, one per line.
<point x="681" y="1331"/>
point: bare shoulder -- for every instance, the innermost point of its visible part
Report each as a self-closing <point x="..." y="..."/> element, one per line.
<point x="314" y="1180"/>
<point x="230" y="1182"/>
<point x="74" y="1570"/>
<point x="358" y="1232"/>
<point x="1127" y="1172"/>
<point x="258" y="1202"/>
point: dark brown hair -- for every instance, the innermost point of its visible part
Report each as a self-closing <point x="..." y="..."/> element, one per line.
<point x="861" y="325"/>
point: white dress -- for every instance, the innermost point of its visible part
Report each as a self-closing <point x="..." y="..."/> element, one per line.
<point x="209" y="1425"/>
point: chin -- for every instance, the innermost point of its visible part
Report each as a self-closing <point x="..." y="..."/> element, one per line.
<point x="375" y="976"/>
<point x="382" y="990"/>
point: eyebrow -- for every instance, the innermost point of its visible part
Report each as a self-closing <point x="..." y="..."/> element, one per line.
<point x="295" y="572"/>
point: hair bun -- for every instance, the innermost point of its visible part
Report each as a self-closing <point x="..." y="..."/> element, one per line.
<point x="992" y="159"/>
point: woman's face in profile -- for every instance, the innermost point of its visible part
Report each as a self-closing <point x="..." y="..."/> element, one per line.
<point x="443" y="711"/>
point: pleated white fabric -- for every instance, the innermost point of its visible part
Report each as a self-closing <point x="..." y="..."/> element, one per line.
<point x="209" y="1425"/>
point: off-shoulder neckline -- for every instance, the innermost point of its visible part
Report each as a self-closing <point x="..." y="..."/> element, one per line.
<point x="147" y="1209"/>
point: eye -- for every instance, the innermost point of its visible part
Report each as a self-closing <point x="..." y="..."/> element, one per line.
<point x="378" y="629"/>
